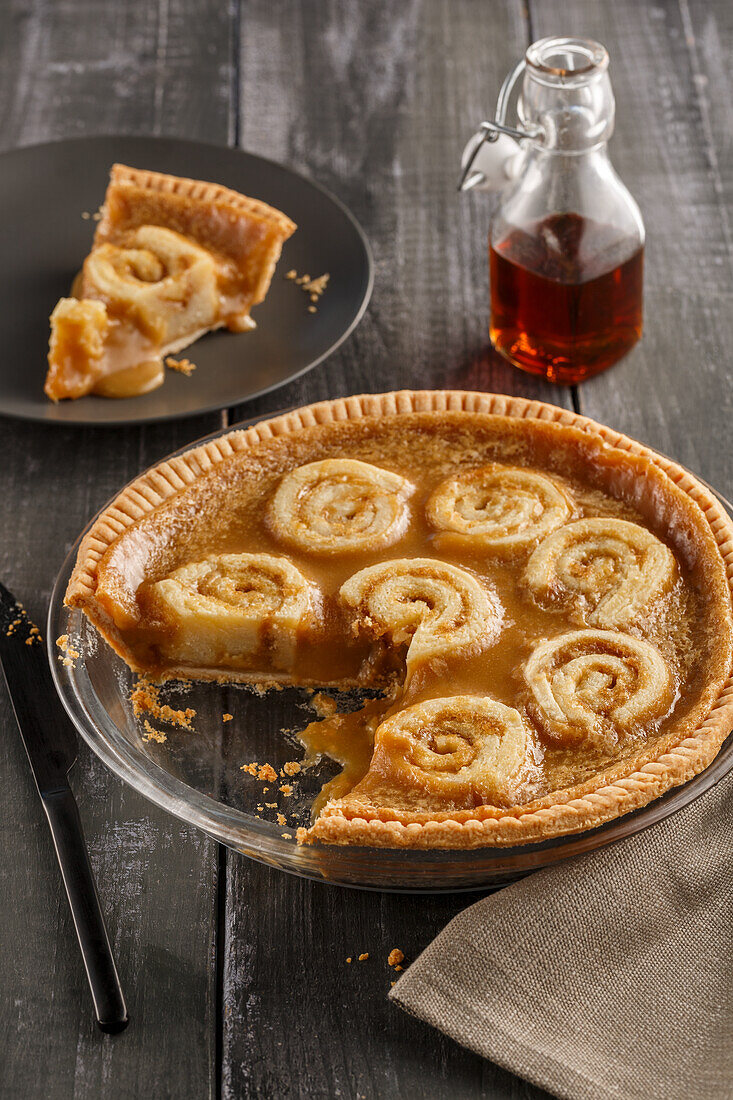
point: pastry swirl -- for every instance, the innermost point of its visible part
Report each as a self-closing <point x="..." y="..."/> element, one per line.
<point x="435" y="607"/>
<point x="497" y="509"/>
<point x="163" y="282"/>
<point x="605" y="571"/>
<point x="464" y="750"/>
<point x="230" y="607"/>
<point x="596" y="685"/>
<point x="340" y="505"/>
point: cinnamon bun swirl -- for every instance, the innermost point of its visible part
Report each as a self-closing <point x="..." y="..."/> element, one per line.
<point x="164" y="283"/>
<point x="597" y="685"/>
<point x="340" y="505"/>
<point x="457" y="752"/>
<point x="229" y="608"/>
<point x="603" y="571"/>
<point x="435" y="607"/>
<point x="497" y="509"/>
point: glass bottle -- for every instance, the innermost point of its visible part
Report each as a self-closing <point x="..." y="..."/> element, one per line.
<point x="566" y="245"/>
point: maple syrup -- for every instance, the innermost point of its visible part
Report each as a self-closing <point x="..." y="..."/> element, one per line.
<point x="566" y="297"/>
<point x="566" y="249"/>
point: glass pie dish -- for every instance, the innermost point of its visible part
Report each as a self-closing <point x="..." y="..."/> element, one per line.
<point x="196" y="773"/>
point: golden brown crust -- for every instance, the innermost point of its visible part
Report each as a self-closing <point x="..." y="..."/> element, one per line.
<point x="246" y="231"/>
<point x="198" y="192"/>
<point x="625" y="787"/>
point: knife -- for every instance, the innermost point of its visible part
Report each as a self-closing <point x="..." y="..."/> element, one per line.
<point x="50" y="742"/>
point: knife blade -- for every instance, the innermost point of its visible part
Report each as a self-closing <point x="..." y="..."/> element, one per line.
<point x="47" y="733"/>
<point x="51" y="746"/>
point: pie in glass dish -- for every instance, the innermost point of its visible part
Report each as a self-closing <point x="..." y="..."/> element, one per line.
<point x="541" y="605"/>
<point x="172" y="259"/>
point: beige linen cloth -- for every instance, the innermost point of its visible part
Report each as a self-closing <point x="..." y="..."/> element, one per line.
<point x="610" y="976"/>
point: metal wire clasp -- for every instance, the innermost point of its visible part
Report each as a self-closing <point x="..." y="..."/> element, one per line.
<point x="489" y="131"/>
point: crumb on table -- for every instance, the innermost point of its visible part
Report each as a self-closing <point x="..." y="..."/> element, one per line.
<point x="395" y="957"/>
<point x="324" y="705"/>
<point x="64" y="645"/>
<point x="227" y="717"/>
<point x="364" y="956"/>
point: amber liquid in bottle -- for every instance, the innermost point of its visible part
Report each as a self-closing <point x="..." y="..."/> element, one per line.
<point x="556" y="313"/>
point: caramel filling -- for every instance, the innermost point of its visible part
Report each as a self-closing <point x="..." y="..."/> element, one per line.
<point x="557" y="633"/>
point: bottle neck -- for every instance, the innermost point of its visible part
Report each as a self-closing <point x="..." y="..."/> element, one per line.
<point x="567" y="100"/>
<point x="538" y="150"/>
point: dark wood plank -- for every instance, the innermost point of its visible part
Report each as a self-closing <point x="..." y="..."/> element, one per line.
<point x="302" y="1022"/>
<point x="673" y="149"/>
<point x="76" y="67"/>
<point x="376" y="101"/>
<point x="708" y="28"/>
<point x="66" y="69"/>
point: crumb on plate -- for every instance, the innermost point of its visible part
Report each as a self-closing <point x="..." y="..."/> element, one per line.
<point x="152" y="734"/>
<point x="145" y="699"/>
<point x="260" y="771"/>
<point x="182" y="366"/>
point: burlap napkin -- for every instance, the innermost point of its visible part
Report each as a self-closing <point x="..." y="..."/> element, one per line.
<point x="607" y="977"/>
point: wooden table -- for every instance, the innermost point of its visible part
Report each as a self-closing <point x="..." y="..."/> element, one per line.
<point x="236" y="974"/>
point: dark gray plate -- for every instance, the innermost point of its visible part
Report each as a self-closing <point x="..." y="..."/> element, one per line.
<point x="43" y="191"/>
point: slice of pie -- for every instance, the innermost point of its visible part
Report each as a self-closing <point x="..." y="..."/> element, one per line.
<point x="172" y="259"/>
<point x="544" y="605"/>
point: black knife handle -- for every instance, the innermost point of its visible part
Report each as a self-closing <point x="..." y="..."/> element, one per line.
<point x="68" y="838"/>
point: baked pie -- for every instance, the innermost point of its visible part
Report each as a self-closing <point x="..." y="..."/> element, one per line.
<point x="172" y="259"/>
<point x="543" y="604"/>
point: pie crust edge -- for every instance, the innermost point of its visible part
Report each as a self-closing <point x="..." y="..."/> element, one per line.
<point x="197" y="191"/>
<point x="690" y="756"/>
